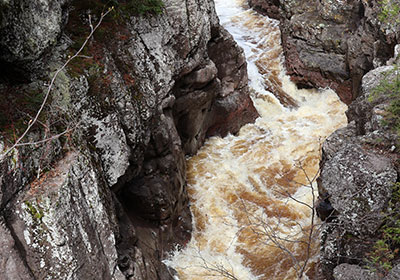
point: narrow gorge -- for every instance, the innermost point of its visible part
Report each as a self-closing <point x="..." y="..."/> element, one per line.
<point x="250" y="193"/>
<point x="199" y="139"/>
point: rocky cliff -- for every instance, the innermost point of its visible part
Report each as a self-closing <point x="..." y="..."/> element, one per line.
<point x="359" y="177"/>
<point x="348" y="46"/>
<point x="98" y="191"/>
<point x="332" y="43"/>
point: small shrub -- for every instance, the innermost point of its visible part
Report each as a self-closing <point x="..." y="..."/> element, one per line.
<point x="136" y="7"/>
<point x="386" y="249"/>
<point x="36" y="213"/>
<point x="389" y="88"/>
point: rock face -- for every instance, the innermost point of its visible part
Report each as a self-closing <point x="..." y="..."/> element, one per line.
<point x="345" y="45"/>
<point x="353" y="272"/>
<point x="358" y="173"/>
<point x="107" y="199"/>
<point x="362" y="183"/>
<point x="332" y="43"/>
<point x="25" y="36"/>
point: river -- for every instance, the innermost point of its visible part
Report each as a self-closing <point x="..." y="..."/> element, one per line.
<point x="251" y="193"/>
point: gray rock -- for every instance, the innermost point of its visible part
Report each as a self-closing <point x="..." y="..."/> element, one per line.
<point x="66" y="223"/>
<point x="332" y="43"/>
<point x="394" y="274"/>
<point x="353" y="272"/>
<point x="359" y="185"/>
<point x="357" y="177"/>
<point x="368" y="110"/>
<point x="27" y="30"/>
<point x="12" y="265"/>
<point x="149" y="90"/>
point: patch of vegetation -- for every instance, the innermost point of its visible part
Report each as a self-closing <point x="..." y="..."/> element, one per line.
<point x="389" y="88"/>
<point x="122" y="9"/>
<point x="36" y="213"/>
<point x="386" y="249"/>
<point x="137" y="7"/>
<point x="390" y="10"/>
<point x="19" y="105"/>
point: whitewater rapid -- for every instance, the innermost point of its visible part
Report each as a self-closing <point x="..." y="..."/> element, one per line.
<point x="250" y="192"/>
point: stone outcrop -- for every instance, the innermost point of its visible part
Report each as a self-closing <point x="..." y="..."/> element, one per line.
<point x="107" y="199"/>
<point x="359" y="170"/>
<point x="347" y="45"/>
<point x="359" y="184"/>
<point x="353" y="272"/>
<point x="332" y="43"/>
<point x="26" y="36"/>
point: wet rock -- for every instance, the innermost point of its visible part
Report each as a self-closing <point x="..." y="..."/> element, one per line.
<point x="232" y="107"/>
<point x="199" y="78"/>
<point x="222" y="105"/>
<point x="270" y="8"/>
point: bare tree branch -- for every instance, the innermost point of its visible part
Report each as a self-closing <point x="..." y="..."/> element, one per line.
<point x="33" y="121"/>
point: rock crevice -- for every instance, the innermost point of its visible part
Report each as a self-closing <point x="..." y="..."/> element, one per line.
<point x="109" y="200"/>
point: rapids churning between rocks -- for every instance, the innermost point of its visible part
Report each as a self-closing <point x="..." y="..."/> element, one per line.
<point x="249" y="193"/>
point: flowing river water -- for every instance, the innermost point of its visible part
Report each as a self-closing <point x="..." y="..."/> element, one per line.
<point x="250" y="193"/>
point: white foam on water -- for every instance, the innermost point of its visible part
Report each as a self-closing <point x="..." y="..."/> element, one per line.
<point x="246" y="189"/>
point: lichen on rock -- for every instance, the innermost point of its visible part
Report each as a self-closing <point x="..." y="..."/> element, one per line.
<point x="109" y="199"/>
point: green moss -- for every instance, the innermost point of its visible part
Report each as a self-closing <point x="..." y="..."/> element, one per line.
<point x="146" y="6"/>
<point x="389" y="11"/>
<point x="137" y="7"/>
<point x="36" y="213"/>
<point x="389" y="87"/>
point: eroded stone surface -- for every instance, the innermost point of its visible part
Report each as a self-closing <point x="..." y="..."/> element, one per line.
<point x="357" y="177"/>
<point x="331" y="43"/>
<point x="26" y="35"/>
<point x="359" y="184"/>
<point x="148" y="90"/>
<point x="353" y="272"/>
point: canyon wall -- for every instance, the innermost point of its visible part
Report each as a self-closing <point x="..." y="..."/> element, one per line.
<point x="99" y="190"/>
<point x="332" y="43"/>
<point x="350" y="47"/>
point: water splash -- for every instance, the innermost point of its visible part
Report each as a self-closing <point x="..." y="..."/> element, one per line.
<point x="250" y="193"/>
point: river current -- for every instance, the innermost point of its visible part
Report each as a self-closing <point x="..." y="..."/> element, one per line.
<point x="250" y="193"/>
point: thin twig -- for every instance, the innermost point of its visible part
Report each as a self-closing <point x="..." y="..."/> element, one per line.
<point x="50" y="87"/>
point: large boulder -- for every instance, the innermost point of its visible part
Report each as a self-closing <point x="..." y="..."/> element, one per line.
<point x="359" y="184"/>
<point x="358" y="174"/>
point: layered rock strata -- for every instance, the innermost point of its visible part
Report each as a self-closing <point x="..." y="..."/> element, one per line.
<point x="107" y="199"/>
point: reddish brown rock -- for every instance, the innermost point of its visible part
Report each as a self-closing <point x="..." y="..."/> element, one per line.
<point x="214" y="98"/>
<point x="330" y="43"/>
